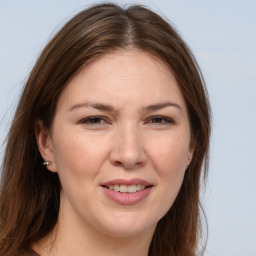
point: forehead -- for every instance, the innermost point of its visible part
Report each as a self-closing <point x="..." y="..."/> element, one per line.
<point x="123" y="76"/>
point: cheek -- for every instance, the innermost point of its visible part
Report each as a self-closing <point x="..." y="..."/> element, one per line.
<point x="77" y="155"/>
<point x="170" y="154"/>
<point x="170" y="162"/>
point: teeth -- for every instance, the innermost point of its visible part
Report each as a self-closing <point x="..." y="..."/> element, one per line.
<point x="123" y="188"/>
<point x="132" y="188"/>
<point x="138" y="187"/>
<point x="116" y="188"/>
<point x="127" y="189"/>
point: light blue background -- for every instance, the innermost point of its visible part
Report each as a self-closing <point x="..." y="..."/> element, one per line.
<point x="222" y="34"/>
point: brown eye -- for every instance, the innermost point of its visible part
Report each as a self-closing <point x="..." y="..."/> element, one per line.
<point x="94" y="120"/>
<point x="160" y="120"/>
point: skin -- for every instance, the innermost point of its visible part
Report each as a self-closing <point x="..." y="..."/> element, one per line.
<point x="127" y="141"/>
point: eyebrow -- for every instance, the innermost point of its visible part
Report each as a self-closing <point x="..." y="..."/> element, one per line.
<point x="109" y="108"/>
<point x="99" y="106"/>
<point x="159" y="106"/>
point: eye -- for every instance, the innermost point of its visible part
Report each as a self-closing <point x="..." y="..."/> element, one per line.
<point x="160" y="120"/>
<point x="94" y="121"/>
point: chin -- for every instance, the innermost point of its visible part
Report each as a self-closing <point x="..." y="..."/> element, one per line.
<point x="128" y="226"/>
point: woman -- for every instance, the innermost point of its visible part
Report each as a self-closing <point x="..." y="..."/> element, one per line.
<point x="105" y="152"/>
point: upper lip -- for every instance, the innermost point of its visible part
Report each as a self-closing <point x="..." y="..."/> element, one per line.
<point x="126" y="182"/>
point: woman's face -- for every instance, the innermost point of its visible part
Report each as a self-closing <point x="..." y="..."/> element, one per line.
<point x="120" y="143"/>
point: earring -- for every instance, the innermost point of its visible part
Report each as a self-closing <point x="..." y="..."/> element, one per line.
<point x="189" y="160"/>
<point x="47" y="163"/>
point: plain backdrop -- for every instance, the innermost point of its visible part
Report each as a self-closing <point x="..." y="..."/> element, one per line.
<point x="222" y="35"/>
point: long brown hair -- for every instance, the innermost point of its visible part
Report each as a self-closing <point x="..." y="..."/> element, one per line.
<point x="29" y="196"/>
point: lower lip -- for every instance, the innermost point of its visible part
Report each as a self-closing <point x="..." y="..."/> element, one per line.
<point x="127" y="198"/>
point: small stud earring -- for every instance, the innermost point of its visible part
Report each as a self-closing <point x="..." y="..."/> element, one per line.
<point x="47" y="163"/>
<point x="189" y="160"/>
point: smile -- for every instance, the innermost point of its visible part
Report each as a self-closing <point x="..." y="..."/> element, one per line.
<point x="127" y="192"/>
<point x="126" y="188"/>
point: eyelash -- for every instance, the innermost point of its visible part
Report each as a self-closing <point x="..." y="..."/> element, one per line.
<point x="163" y="120"/>
<point x="93" y="120"/>
<point x="100" y="120"/>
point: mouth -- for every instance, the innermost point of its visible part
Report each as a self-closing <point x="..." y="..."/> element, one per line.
<point x="127" y="192"/>
<point x="122" y="188"/>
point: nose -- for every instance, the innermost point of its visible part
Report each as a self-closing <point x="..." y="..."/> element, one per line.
<point x="127" y="148"/>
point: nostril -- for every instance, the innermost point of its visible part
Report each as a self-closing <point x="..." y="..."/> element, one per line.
<point x="127" y="165"/>
<point x="118" y="163"/>
<point x="127" y="157"/>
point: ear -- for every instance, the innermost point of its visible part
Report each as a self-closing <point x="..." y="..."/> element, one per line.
<point x="45" y="144"/>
